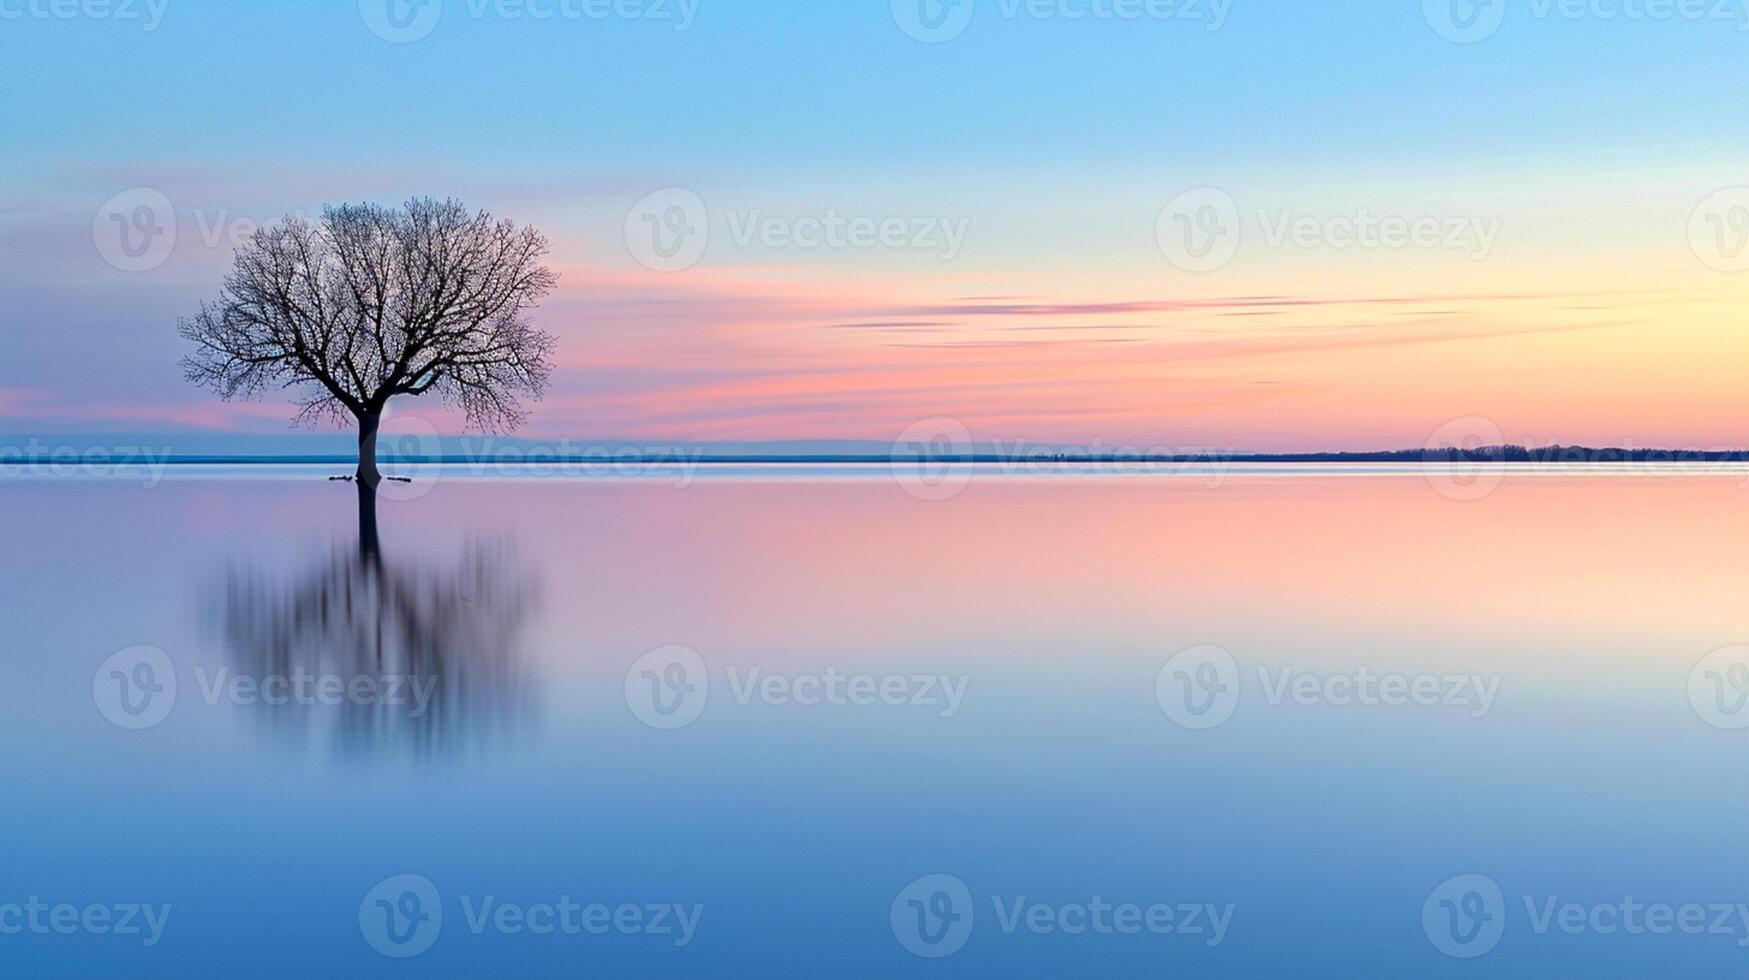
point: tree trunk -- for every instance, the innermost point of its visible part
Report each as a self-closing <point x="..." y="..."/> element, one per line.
<point x="370" y="548"/>
<point x="368" y="475"/>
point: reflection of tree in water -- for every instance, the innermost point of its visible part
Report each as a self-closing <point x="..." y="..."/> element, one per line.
<point x="451" y="635"/>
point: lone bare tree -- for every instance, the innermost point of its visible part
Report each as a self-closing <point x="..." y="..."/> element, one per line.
<point x="372" y="302"/>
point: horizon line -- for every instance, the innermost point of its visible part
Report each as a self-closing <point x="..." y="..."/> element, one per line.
<point x="1505" y="453"/>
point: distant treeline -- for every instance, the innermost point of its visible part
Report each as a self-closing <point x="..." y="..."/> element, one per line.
<point x="1483" y="454"/>
<point x="1504" y="454"/>
<point x="1511" y="454"/>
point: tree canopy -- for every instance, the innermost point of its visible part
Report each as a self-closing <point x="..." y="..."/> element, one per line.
<point x="369" y="302"/>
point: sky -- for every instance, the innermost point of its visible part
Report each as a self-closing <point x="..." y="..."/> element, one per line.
<point x="1162" y="224"/>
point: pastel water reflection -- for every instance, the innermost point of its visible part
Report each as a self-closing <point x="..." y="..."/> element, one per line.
<point x="783" y="828"/>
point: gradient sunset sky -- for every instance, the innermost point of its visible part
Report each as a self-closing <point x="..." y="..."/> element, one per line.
<point x="1605" y="154"/>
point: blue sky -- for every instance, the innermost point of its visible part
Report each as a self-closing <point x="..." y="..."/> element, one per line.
<point x="1564" y="122"/>
<point x="787" y="85"/>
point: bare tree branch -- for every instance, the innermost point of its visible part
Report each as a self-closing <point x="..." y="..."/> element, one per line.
<point x="372" y="302"/>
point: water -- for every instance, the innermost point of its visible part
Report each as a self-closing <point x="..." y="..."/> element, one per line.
<point x="1566" y="615"/>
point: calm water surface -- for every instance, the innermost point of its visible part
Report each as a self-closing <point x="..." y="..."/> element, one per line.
<point x="742" y="718"/>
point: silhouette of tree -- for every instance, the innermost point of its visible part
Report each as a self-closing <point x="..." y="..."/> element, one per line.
<point x="369" y="303"/>
<point x="448" y="636"/>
